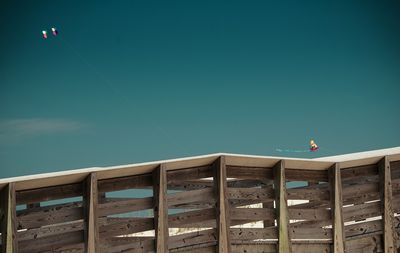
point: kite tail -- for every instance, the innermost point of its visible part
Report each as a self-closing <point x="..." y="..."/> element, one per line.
<point x="293" y="150"/>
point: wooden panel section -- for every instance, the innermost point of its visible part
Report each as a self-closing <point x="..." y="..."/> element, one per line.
<point x="284" y="244"/>
<point x="261" y="194"/>
<point x="223" y="220"/>
<point x="123" y="226"/>
<point x="249" y="234"/>
<point x="386" y="206"/>
<point x="202" y="195"/>
<point x="189" y="173"/>
<point x="125" y="183"/>
<point x="335" y="181"/>
<point x="48" y="215"/>
<point x="90" y="200"/>
<point x="259" y="173"/>
<point x="252" y="214"/>
<point x="160" y="209"/>
<point x="125" y="205"/>
<point x="49" y="193"/>
<point x="193" y="238"/>
<point x="306" y="175"/>
<point x="52" y="243"/>
<point x="9" y="227"/>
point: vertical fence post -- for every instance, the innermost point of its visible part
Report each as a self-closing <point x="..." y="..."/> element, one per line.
<point x="284" y="243"/>
<point x="222" y="207"/>
<point x="90" y="200"/>
<point x="160" y="209"/>
<point x="335" y="182"/>
<point x="9" y="229"/>
<point x="386" y="205"/>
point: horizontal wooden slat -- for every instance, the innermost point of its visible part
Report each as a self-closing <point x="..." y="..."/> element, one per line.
<point x="310" y="233"/>
<point x="262" y="194"/>
<point x="49" y="193"/>
<point x="259" y="173"/>
<point x="310" y="214"/>
<point x="206" y="195"/>
<point x="189" y="173"/>
<point x="367" y="170"/>
<point x="179" y="219"/>
<point x="123" y="226"/>
<point x="252" y="214"/>
<point x="124" y="206"/>
<point x="306" y="175"/>
<point x="363" y="228"/>
<point x="50" y="230"/>
<point x="254" y="248"/>
<point x="50" y="215"/>
<point x="50" y="242"/>
<point x="245" y="234"/>
<point x="194" y="238"/>
<point x="128" y="245"/>
<point x="362" y="211"/>
<point x="307" y="194"/>
<point x="364" y="244"/>
<point x="125" y="183"/>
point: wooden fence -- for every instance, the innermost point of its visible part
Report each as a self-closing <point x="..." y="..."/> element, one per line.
<point x="213" y="204"/>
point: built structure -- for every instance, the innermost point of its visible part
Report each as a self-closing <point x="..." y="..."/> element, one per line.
<point x="213" y="203"/>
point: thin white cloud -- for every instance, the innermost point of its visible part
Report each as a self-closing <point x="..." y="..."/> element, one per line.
<point x="18" y="129"/>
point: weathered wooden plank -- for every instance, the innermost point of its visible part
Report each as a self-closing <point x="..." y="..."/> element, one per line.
<point x="261" y="194"/>
<point x="48" y="215"/>
<point x="189" y="173"/>
<point x="222" y="210"/>
<point x="310" y="233"/>
<point x="252" y="214"/>
<point x="160" y="209"/>
<point x="364" y="228"/>
<point x="254" y="248"/>
<point x="124" y="226"/>
<point x="335" y="181"/>
<point x="258" y="173"/>
<point x="310" y="214"/>
<point x="201" y="184"/>
<point x="246" y="234"/>
<point x="70" y="248"/>
<point x="364" y="244"/>
<point x="179" y="219"/>
<point x="363" y="211"/>
<point x="186" y="197"/>
<point x="356" y="194"/>
<point x="386" y="206"/>
<point x="128" y="245"/>
<point x="90" y="206"/>
<point x="125" y="205"/>
<point x="359" y="171"/>
<point x="193" y="238"/>
<point x="284" y="243"/>
<point x="306" y="175"/>
<point x="125" y="183"/>
<point x="311" y="247"/>
<point x="9" y="227"/>
<point x="31" y="234"/>
<point x="51" y="243"/>
<point x="199" y="248"/>
<point x="307" y="194"/>
<point x="49" y="193"/>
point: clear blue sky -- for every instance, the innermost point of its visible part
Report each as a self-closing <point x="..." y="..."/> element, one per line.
<point x="134" y="81"/>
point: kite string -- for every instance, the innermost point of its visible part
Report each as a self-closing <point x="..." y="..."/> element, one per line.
<point x="108" y="83"/>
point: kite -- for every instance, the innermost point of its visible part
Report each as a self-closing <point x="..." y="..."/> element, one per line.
<point x="54" y="31"/>
<point x="44" y="32"/>
<point x="313" y="148"/>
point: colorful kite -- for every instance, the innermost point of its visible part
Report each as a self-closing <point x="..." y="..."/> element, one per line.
<point x="44" y="32"/>
<point x="54" y="30"/>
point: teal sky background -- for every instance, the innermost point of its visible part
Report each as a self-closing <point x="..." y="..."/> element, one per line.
<point x="135" y="81"/>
